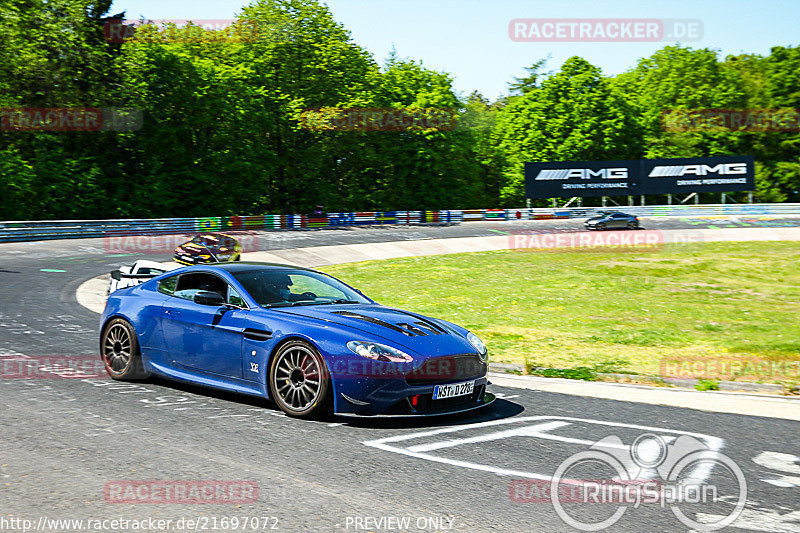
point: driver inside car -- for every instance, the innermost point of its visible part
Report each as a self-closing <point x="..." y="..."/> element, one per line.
<point x="279" y="286"/>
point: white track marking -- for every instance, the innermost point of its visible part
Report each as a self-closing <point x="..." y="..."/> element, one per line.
<point x="526" y="431"/>
<point x="389" y="444"/>
<point x="759" y="520"/>
<point x="782" y="462"/>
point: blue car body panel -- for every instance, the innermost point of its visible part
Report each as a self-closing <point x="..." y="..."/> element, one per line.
<point x="231" y="348"/>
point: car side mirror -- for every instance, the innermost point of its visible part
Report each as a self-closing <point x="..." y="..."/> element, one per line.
<point x="116" y="274"/>
<point x="209" y="298"/>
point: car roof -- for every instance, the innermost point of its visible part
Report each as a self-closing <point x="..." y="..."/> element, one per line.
<point x="242" y="266"/>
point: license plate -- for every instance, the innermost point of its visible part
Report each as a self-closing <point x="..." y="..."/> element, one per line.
<point x="440" y="392"/>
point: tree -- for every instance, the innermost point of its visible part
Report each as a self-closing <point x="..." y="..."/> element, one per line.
<point x="574" y="115"/>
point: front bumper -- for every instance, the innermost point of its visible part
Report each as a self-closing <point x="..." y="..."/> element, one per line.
<point x="191" y="260"/>
<point x="408" y="393"/>
<point x="487" y="399"/>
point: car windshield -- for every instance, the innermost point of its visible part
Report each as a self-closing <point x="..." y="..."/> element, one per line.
<point x="283" y="288"/>
<point x="205" y="240"/>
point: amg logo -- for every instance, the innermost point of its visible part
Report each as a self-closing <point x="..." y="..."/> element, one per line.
<point x="723" y="169"/>
<point x="582" y="173"/>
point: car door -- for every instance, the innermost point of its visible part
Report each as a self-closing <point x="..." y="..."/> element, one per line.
<point x="202" y="337"/>
<point x="618" y="220"/>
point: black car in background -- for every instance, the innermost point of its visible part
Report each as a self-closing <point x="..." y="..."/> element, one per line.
<point x="208" y="248"/>
<point x="612" y="220"/>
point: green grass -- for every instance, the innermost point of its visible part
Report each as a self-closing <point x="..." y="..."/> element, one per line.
<point x="605" y="311"/>
<point x="706" y="384"/>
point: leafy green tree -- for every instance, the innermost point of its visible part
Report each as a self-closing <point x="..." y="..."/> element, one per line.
<point x="576" y="114"/>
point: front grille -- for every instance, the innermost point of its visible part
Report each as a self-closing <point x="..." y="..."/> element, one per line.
<point x="448" y="369"/>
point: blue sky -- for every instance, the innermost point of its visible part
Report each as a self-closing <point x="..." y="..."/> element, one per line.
<point x="469" y="38"/>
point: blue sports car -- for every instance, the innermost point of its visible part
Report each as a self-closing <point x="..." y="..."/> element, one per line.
<point x="302" y="338"/>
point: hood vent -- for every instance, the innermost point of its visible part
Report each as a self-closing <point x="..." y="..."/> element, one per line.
<point x="419" y="328"/>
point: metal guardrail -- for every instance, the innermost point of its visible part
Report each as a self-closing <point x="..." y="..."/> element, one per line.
<point x="16" y="231"/>
<point x="684" y="210"/>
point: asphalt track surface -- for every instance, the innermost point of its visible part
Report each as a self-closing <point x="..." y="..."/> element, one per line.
<point x="64" y="443"/>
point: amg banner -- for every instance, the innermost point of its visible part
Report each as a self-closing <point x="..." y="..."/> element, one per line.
<point x="697" y="174"/>
<point x="580" y="178"/>
<point x="642" y="176"/>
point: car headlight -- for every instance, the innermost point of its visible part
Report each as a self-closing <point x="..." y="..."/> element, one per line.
<point x="379" y="352"/>
<point x="478" y="344"/>
<point x="205" y="256"/>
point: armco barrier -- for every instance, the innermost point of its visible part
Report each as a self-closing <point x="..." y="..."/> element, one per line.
<point x="72" y="229"/>
<point x="687" y="210"/>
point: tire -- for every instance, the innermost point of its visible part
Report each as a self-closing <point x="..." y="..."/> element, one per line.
<point x="601" y="226"/>
<point x="299" y="382"/>
<point x="238" y="257"/>
<point x="633" y="225"/>
<point x="119" y="350"/>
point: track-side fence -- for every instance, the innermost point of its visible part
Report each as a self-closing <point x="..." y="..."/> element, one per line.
<point x="15" y="231"/>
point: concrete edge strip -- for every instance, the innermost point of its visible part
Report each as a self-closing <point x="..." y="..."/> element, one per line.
<point x="714" y="401"/>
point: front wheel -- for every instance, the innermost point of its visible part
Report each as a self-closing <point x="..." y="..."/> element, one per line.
<point x="119" y="349"/>
<point x="298" y="381"/>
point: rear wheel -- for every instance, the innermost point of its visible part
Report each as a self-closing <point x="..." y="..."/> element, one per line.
<point x="298" y="381"/>
<point x="119" y="349"/>
<point x="633" y="225"/>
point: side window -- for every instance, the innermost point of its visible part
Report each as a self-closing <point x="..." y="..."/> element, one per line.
<point x="234" y="298"/>
<point x="167" y="285"/>
<point x="191" y="284"/>
<point x="148" y="270"/>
